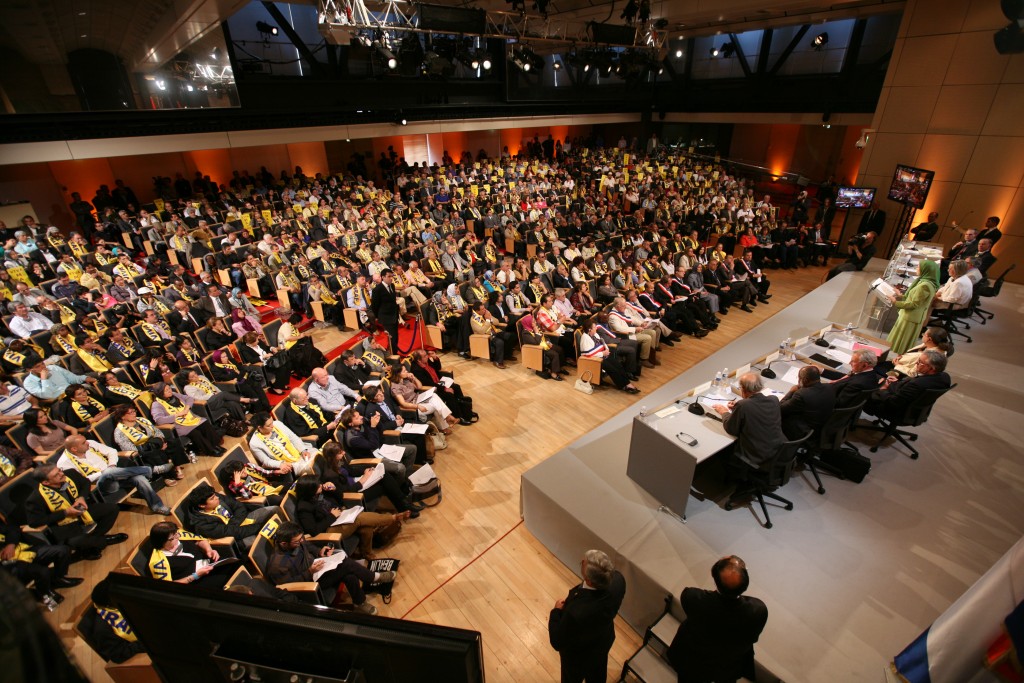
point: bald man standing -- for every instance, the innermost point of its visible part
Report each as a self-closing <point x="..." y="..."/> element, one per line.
<point x="716" y="642"/>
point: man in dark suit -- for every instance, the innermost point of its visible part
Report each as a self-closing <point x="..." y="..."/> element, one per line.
<point x="385" y="306"/>
<point x="58" y="503"/>
<point x="716" y="642"/>
<point x="379" y="403"/>
<point x="984" y="259"/>
<point x="215" y="303"/>
<point x="351" y="371"/>
<point x="183" y="319"/>
<point x="873" y="220"/>
<point x="851" y="389"/>
<point x="756" y="422"/>
<point x="924" y="232"/>
<point x="991" y="230"/>
<point x="581" y="628"/>
<point x="807" y="406"/>
<point x="307" y="419"/>
<point x="894" y="396"/>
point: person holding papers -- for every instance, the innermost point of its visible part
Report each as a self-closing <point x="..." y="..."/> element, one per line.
<point x="296" y="560"/>
<point x="410" y="395"/>
<point x="317" y="511"/>
<point x="364" y="438"/>
<point x="278" y="448"/>
<point x="183" y="557"/>
<point x="756" y="422"/>
<point x="378" y="403"/>
<point x="344" y="477"/>
<point x="807" y="405"/>
<point x="914" y="307"/>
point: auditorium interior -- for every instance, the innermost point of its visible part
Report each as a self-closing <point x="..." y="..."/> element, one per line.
<point x="234" y="119"/>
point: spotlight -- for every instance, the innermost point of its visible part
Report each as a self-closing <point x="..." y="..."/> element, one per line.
<point x="266" y="29"/>
<point x="161" y="85"/>
<point x="820" y="41"/>
<point x="679" y="53"/>
<point x="715" y="52"/>
<point x="485" y="62"/>
<point x="215" y="53"/>
<point x="400" y="119"/>
<point x="436" y="65"/>
<point x="387" y="55"/>
<point x="724" y="51"/>
<point x="189" y="88"/>
<point x="557" y="66"/>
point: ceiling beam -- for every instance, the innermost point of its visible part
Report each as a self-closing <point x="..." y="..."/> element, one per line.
<point x="315" y="67"/>
<point x="739" y="54"/>
<point x="789" y="48"/>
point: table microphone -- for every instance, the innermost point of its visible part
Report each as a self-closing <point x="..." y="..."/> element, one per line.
<point x="820" y="341"/>
<point x="767" y="372"/>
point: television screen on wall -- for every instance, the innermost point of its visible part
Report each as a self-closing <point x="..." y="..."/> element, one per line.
<point x="910" y="186"/>
<point x="854" y="197"/>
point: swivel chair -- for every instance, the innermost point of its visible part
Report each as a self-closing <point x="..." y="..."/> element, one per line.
<point x="772" y="475"/>
<point x="915" y="414"/>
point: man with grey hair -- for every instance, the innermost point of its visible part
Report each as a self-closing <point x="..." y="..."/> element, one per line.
<point x="850" y="390"/>
<point x="581" y="628"/>
<point x="893" y="397"/>
<point x="756" y="422"/>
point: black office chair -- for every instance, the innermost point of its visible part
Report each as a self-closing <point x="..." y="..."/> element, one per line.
<point x="989" y="291"/>
<point x="947" y="316"/>
<point x="831" y="437"/>
<point x="772" y="475"/>
<point x="914" y="415"/>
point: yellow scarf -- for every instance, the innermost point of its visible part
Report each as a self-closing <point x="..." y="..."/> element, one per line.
<point x="56" y="501"/>
<point x="7" y="467"/>
<point x="159" y="568"/>
<point x="126" y="390"/>
<point x="79" y="250"/>
<point x="289" y="279"/>
<point x="83" y="412"/>
<point x="224" y="515"/>
<point x="67" y="316"/>
<point x="74" y="273"/>
<point x="13" y="357"/>
<point x="56" y="241"/>
<point x="126" y="349"/>
<point x="117" y="623"/>
<point x="151" y="331"/>
<point x="374" y="359"/>
<point x="22" y="552"/>
<point x="191" y="357"/>
<point x="95" y="362"/>
<point x="135" y="435"/>
<point x="187" y="420"/>
<point x="127" y="272"/>
<point x="83" y="466"/>
<point x="280" y="446"/>
<point x="259" y="484"/>
<point x="106" y="260"/>
<point x="205" y="386"/>
<point x="313" y="424"/>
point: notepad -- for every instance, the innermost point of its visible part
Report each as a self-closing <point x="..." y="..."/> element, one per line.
<point x="376" y="474"/>
<point x="332" y="561"/>
<point x="422" y="475"/>
<point x="390" y="452"/>
<point x="414" y="428"/>
<point x="348" y="515"/>
<point x="840" y="355"/>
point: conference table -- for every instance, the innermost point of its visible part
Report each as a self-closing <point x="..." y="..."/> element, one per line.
<point x="669" y="443"/>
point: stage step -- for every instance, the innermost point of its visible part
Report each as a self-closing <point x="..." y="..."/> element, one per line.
<point x="664" y="631"/>
<point x="647" y="666"/>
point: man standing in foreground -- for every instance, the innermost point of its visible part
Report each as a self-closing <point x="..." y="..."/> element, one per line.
<point x="716" y="641"/>
<point x="581" y="627"/>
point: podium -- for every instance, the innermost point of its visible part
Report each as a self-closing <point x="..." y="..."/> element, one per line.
<point x="877" y="313"/>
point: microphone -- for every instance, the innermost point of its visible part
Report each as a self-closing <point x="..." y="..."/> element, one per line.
<point x="767" y="371"/>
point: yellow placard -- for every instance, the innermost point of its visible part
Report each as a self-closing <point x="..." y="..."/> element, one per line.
<point x="476" y="165"/>
<point x="512" y="185"/>
<point x="625" y="176"/>
<point x="714" y="175"/>
<point x="159" y="204"/>
<point x="197" y="205"/>
<point x="297" y="208"/>
<point x="487" y="189"/>
<point x="675" y="170"/>
<point x="268" y="217"/>
<point x="691" y="150"/>
<point x="247" y="221"/>
<point x="474" y="190"/>
<point x="625" y="160"/>
<point x="461" y="191"/>
<point x="307" y="213"/>
<point x="501" y="173"/>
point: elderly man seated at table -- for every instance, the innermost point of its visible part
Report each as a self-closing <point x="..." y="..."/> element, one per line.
<point x="807" y="405"/>
<point x="756" y="422"/>
<point x="893" y="397"/>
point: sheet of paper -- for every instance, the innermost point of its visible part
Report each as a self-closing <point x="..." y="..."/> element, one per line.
<point x="348" y="515"/>
<point x="422" y="475"/>
<point x="425" y="395"/>
<point x="772" y="392"/>
<point x="670" y="410"/>
<point x="792" y="376"/>
<point x="884" y="288"/>
<point x="842" y="344"/>
<point x="333" y="561"/>
<point x="390" y="452"/>
<point x="709" y="401"/>
<point x="371" y="383"/>
<point x="446" y="382"/>
<point x="842" y="356"/>
<point x="376" y="474"/>
<point x="414" y="428"/>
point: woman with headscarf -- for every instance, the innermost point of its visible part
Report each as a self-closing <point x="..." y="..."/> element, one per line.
<point x="248" y="381"/>
<point x="170" y="407"/>
<point x="242" y="322"/>
<point x="913" y="307"/>
<point x="238" y="299"/>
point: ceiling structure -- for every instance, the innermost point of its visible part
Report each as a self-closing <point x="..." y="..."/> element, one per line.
<point x="147" y="34"/>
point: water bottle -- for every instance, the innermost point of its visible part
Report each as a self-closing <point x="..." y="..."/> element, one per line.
<point x="725" y="380"/>
<point x="789" y="348"/>
<point x="716" y="385"/>
<point x="643" y="413"/>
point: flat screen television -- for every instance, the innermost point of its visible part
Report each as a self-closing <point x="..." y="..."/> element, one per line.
<point x="854" y="197"/>
<point x="196" y="635"/>
<point x="910" y="186"/>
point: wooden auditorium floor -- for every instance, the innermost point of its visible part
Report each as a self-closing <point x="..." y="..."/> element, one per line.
<point x="469" y="562"/>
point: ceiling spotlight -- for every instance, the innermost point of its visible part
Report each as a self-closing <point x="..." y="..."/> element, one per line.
<point x="215" y="53"/>
<point x="400" y="119"/>
<point x="661" y="70"/>
<point x="679" y="53"/>
<point x="162" y="85"/>
<point x="189" y="88"/>
<point x="724" y="51"/>
<point x="557" y="66"/>
<point x="266" y="29"/>
<point x="387" y="55"/>
<point x="485" y="62"/>
<point x="820" y="41"/>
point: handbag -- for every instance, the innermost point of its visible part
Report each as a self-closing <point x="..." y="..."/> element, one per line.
<point x="383" y="588"/>
<point x="583" y="383"/>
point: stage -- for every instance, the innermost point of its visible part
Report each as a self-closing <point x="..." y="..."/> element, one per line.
<point x="850" y="577"/>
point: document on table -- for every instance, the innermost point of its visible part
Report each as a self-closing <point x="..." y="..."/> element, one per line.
<point x="843" y="344"/>
<point x="376" y="474"/>
<point x="414" y="428"/>
<point x="390" y="452"/>
<point x="840" y="355"/>
<point x="348" y="515"/>
<point x="425" y="395"/>
<point x="792" y="376"/>
<point x="446" y="382"/>
<point x="332" y="561"/>
<point x="709" y="402"/>
<point x="422" y="475"/>
<point x="772" y="392"/>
